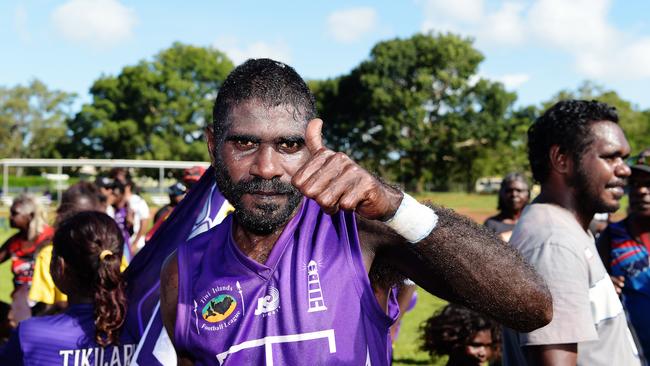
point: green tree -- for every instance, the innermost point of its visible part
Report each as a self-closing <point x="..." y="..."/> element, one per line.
<point x="32" y="120"/>
<point x="153" y="110"/>
<point x="415" y="111"/>
<point x="509" y="153"/>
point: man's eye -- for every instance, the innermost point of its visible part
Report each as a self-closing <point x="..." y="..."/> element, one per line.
<point x="244" y="144"/>
<point x="289" y="146"/>
<point x="611" y="158"/>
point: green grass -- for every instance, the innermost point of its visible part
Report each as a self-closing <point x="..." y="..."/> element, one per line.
<point x="459" y="200"/>
<point x="6" y="285"/>
<point x="28" y="181"/>
<point x="406" y="351"/>
<point x="477" y="206"/>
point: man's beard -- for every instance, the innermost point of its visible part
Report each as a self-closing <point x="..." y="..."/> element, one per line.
<point x="267" y="216"/>
<point x="588" y="197"/>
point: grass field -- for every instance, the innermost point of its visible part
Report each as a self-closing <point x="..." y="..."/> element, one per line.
<point x="406" y="351"/>
<point x="5" y="268"/>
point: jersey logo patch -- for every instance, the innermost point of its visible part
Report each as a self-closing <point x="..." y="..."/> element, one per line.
<point x="269" y="304"/>
<point x="314" y="290"/>
<point x="217" y="309"/>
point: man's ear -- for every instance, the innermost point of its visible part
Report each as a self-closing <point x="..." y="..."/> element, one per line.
<point x="561" y="162"/>
<point x="212" y="144"/>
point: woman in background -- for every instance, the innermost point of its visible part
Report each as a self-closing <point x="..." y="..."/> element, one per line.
<point x="26" y="215"/>
<point x="86" y="266"/>
<point x="514" y="195"/>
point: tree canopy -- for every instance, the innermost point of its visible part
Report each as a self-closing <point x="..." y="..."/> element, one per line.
<point x="153" y="110"/>
<point x="32" y="120"/>
<point x="417" y="111"/>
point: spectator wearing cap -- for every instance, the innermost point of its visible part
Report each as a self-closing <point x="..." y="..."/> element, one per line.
<point x="176" y="193"/>
<point x="624" y="248"/>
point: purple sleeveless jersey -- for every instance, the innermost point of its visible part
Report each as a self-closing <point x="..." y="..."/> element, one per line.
<point x="311" y="303"/>
<point x="67" y="339"/>
<point x="202" y="209"/>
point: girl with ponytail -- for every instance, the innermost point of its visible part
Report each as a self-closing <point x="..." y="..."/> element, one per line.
<point x="86" y="266"/>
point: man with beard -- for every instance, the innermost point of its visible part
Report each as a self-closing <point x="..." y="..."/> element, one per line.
<point x="577" y="152"/>
<point x="285" y="279"/>
<point x="514" y="195"/>
<point x="624" y="247"/>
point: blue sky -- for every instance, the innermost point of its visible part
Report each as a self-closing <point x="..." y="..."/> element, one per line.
<point x="535" y="47"/>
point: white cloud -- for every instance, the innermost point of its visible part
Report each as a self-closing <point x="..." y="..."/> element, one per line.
<point x="278" y="50"/>
<point x="505" y="26"/>
<point x="513" y="81"/>
<point x="99" y="23"/>
<point x="579" y="28"/>
<point x="627" y="61"/>
<point x="572" y="25"/>
<point x="351" y="25"/>
<point x="600" y="50"/>
<point x="470" y="18"/>
<point x="20" y="23"/>
<point x="467" y="11"/>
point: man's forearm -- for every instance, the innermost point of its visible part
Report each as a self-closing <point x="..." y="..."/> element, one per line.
<point x="466" y="263"/>
<point x="485" y="274"/>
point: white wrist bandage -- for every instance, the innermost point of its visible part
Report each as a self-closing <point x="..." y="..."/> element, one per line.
<point x="413" y="220"/>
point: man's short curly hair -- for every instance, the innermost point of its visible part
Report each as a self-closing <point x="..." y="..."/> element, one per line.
<point x="566" y="124"/>
<point x="451" y="329"/>
<point x="269" y="82"/>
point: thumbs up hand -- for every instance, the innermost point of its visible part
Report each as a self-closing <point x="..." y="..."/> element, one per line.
<point x="337" y="183"/>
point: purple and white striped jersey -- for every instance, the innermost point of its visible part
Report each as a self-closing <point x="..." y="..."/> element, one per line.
<point x="66" y="339"/>
<point x="310" y="303"/>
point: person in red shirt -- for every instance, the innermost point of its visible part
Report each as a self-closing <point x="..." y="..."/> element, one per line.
<point x="28" y="217"/>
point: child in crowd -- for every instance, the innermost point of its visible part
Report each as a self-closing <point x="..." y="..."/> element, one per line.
<point x="465" y="336"/>
<point x="86" y="261"/>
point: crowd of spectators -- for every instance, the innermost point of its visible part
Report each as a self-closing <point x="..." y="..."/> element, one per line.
<point x="577" y="153"/>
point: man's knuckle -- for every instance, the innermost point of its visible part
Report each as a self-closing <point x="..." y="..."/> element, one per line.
<point x="341" y="156"/>
<point x="328" y="200"/>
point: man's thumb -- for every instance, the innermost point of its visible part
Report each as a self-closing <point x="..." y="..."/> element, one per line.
<point x="313" y="137"/>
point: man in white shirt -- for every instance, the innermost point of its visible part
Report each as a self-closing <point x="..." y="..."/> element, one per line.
<point x="577" y="152"/>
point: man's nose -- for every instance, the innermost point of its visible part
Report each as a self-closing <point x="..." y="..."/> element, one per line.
<point x="623" y="170"/>
<point x="266" y="164"/>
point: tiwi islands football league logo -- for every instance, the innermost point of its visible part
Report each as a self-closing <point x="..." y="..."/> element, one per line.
<point x="219" y="308"/>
